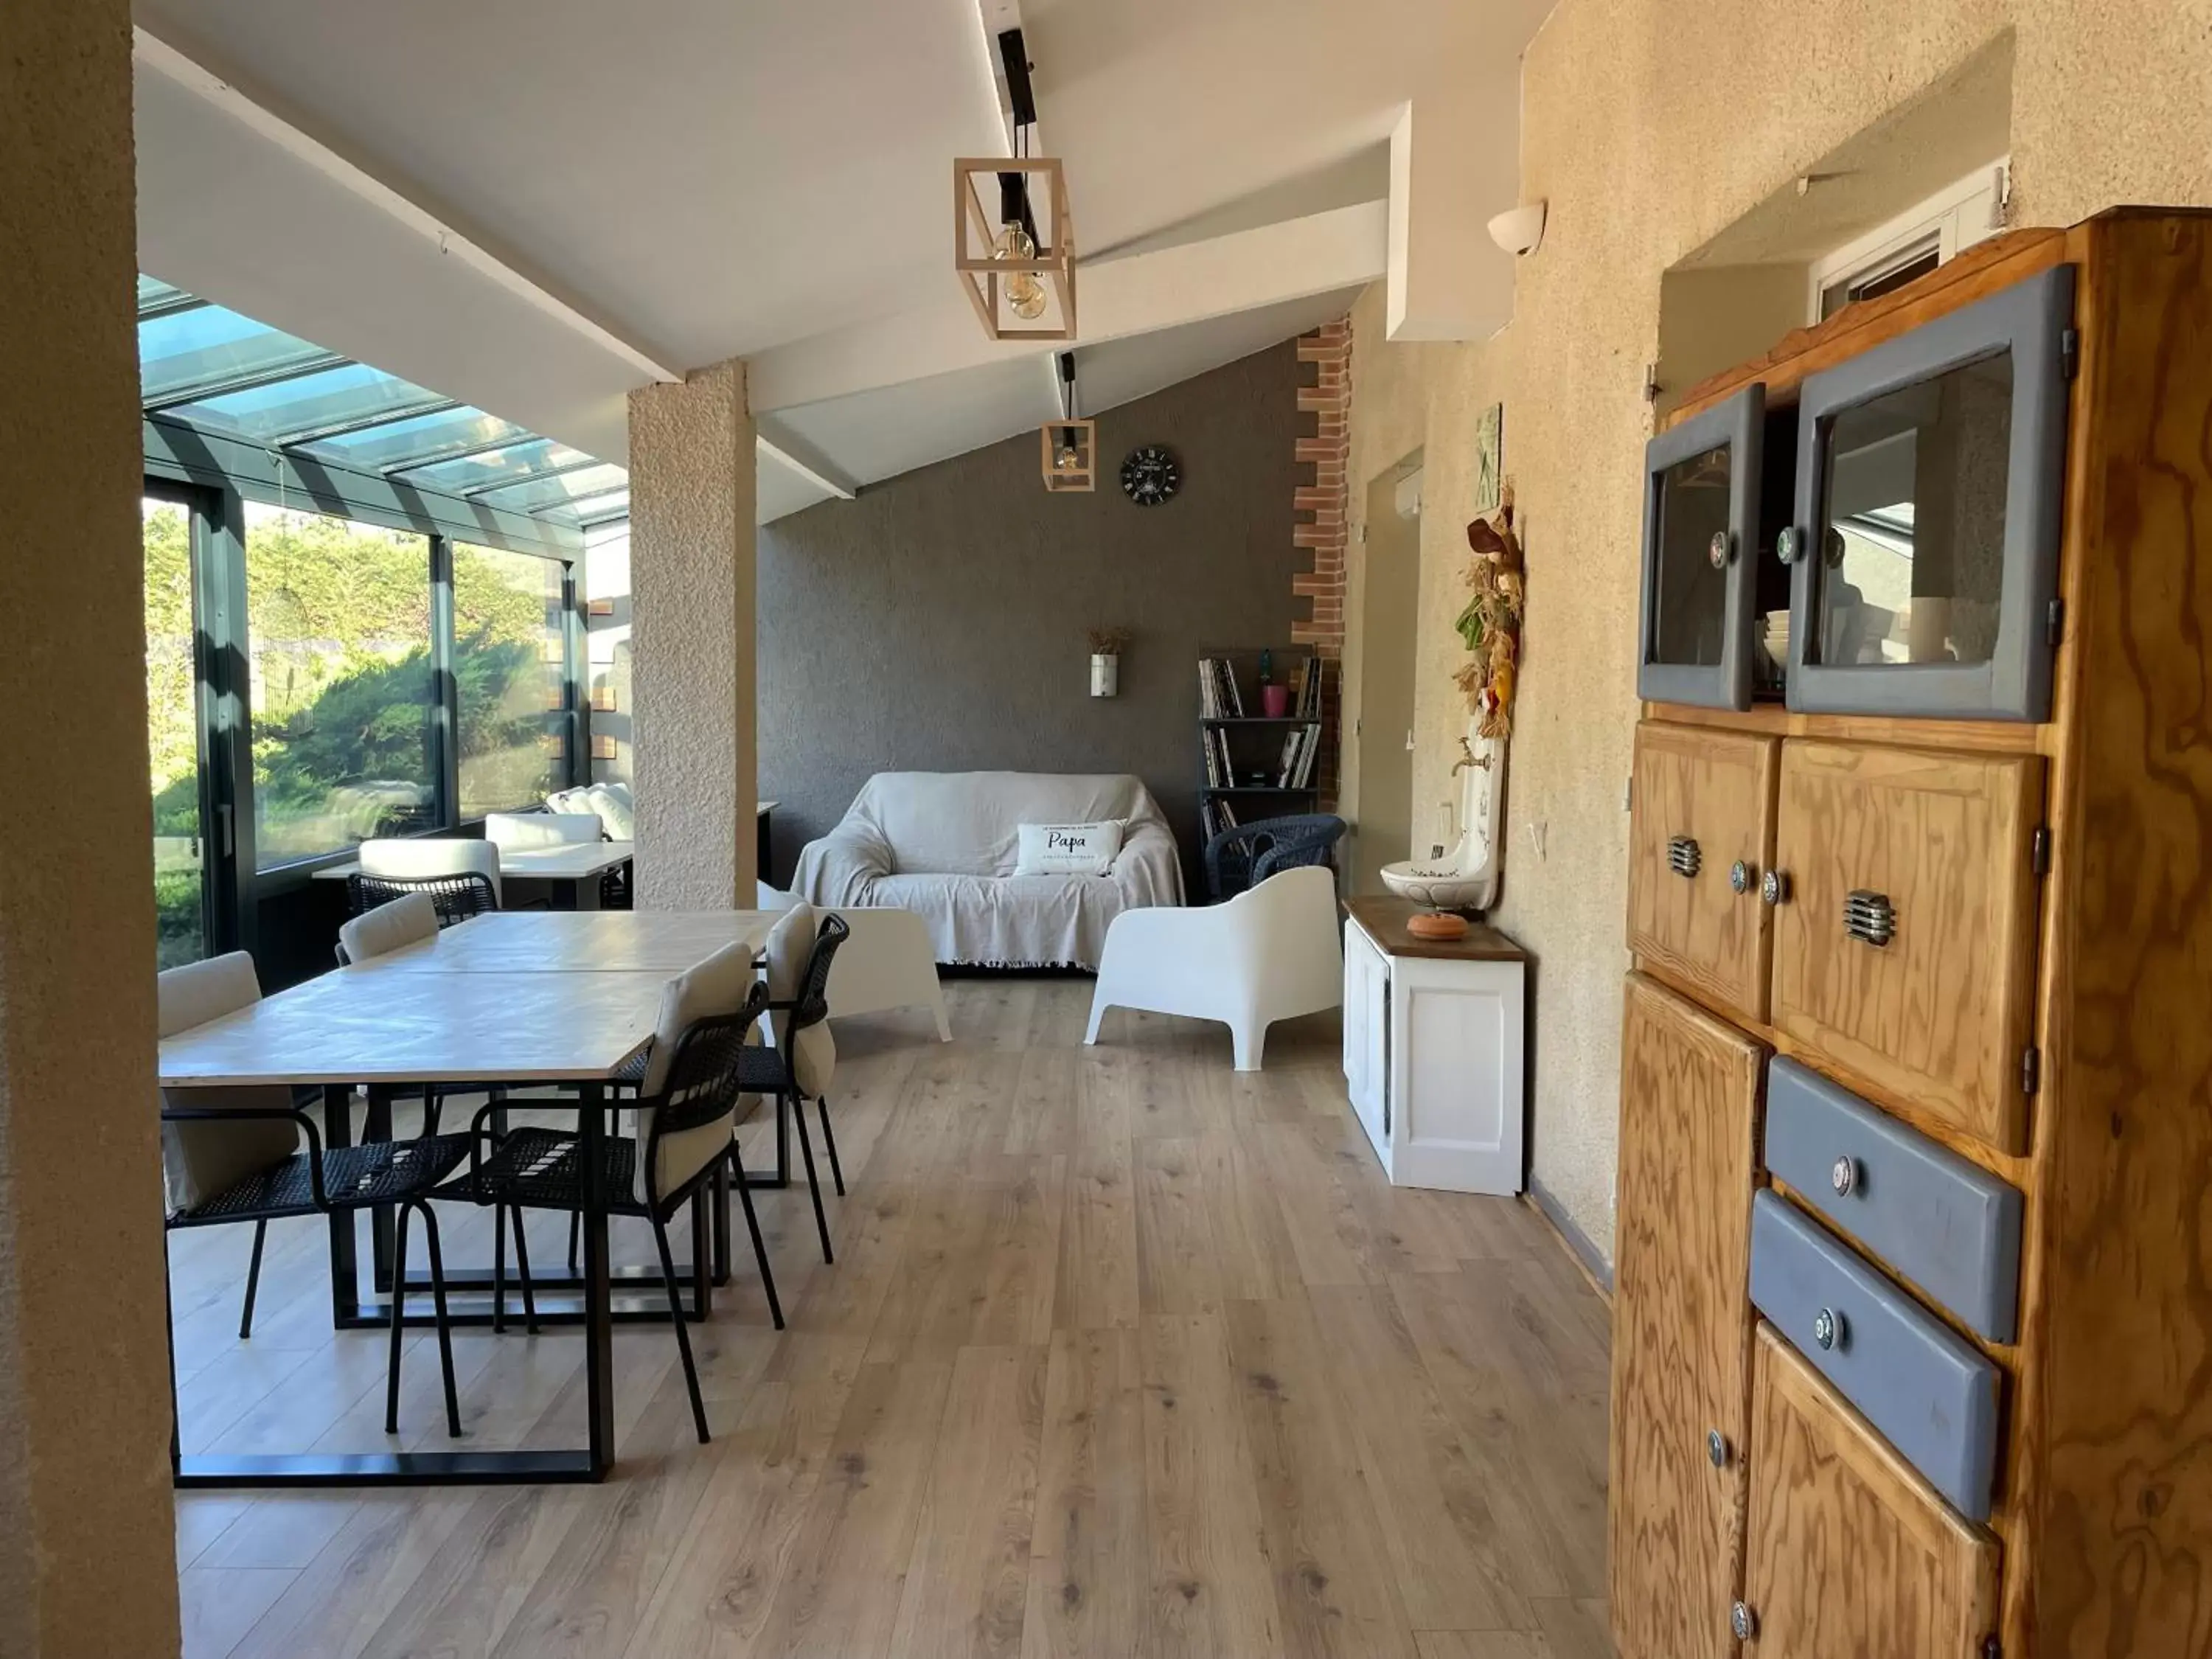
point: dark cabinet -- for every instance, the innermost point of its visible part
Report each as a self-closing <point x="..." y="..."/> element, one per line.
<point x="1702" y="489"/>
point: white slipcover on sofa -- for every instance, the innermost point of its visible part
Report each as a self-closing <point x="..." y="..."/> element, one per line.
<point x="943" y="845"/>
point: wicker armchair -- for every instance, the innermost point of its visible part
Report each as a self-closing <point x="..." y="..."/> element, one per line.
<point x="1240" y="858"/>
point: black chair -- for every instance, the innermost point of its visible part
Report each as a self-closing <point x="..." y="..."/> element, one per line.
<point x="802" y="999"/>
<point x="457" y="897"/>
<point x="1243" y="857"/>
<point x="540" y="1169"/>
<point x="339" y="1182"/>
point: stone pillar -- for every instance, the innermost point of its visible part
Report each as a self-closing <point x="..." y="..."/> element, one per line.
<point x="692" y="650"/>
<point x="87" y="1552"/>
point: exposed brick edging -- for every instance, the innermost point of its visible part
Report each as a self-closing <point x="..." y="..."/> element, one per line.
<point x="1321" y="506"/>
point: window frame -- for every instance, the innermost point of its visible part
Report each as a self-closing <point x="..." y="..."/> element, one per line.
<point x="1963" y="212"/>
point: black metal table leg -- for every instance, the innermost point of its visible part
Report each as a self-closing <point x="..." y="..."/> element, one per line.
<point x="376" y="1125"/>
<point x="599" y="1320"/>
<point x="346" y="1270"/>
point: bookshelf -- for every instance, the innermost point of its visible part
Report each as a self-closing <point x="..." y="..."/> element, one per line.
<point x="1254" y="765"/>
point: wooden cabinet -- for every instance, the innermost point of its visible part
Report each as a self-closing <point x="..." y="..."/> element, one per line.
<point x="1701" y="833"/>
<point x="1849" y="1551"/>
<point x="1689" y="1088"/>
<point x="1905" y="947"/>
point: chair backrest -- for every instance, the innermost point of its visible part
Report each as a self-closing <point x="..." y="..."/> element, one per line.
<point x="1248" y="854"/>
<point x="802" y="947"/>
<point x="429" y="859"/>
<point x="455" y="898"/>
<point x="200" y="1161"/>
<point x="719" y="989"/>
<point x="408" y="920"/>
<point x="528" y="831"/>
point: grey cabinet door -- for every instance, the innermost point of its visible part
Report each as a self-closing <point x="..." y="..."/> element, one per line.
<point x="1924" y="542"/>
<point x="1700" y="554"/>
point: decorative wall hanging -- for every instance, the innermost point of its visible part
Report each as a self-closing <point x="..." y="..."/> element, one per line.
<point x="1491" y="624"/>
<point x="1489" y="456"/>
<point x="1069" y="445"/>
<point x="1151" y="475"/>
<point x="1107" y="645"/>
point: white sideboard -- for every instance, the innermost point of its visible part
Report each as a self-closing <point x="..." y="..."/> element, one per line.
<point x="1433" y="1049"/>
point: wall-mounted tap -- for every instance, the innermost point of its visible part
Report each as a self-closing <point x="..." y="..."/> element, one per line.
<point x="1466" y="759"/>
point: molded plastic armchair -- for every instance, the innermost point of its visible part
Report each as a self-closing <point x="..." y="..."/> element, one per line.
<point x="1268" y="954"/>
<point x="1242" y="858"/>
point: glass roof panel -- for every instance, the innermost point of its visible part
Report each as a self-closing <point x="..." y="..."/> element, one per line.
<point x="601" y="509"/>
<point x="344" y="396"/>
<point x="153" y="291"/>
<point x="517" y="461"/>
<point x="415" y="440"/>
<point x="536" y="494"/>
<point x="180" y="352"/>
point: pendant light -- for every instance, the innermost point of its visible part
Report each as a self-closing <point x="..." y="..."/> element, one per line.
<point x="1013" y="246"/>
<point x="1069" y="445"/>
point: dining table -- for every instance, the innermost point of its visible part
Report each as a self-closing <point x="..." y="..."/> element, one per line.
<point x="567" y="878"/>
<point x="506" y="999"/>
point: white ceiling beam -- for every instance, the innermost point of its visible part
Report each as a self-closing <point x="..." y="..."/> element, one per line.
<point x="1346" y="247"/>
<point x="387" y="199"/>
<point x="801" y="459"/>
<point x="1454" y="160"/>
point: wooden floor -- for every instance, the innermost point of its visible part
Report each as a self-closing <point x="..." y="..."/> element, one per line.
<point x="1123" y="1354"/>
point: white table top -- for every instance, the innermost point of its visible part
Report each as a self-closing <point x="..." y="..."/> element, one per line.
<point x="666" y="943"/>
<point x="359" y="1026"/>
<point x="578" y="861"/>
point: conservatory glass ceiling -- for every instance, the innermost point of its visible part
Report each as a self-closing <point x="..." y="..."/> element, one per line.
<point x="211" y="369"/>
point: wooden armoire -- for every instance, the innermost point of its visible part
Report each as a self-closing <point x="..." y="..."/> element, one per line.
<point x="1912" y="1349"/>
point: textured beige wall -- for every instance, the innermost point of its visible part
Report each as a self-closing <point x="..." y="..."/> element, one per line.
<point x="1650" y="125"/>
<point x="87" y="1562"/>
<point x="692" y="656"/>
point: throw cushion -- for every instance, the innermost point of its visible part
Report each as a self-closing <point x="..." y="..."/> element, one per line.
<point x="614" y="810"/>
<point x="1068" y="850"/>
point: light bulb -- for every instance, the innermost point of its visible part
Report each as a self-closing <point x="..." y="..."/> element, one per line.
<point x="1065" y="458"/>
<point x="1024" y="293"/>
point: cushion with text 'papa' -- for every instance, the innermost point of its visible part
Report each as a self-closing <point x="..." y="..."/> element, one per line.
<point x="1068" y="850"/>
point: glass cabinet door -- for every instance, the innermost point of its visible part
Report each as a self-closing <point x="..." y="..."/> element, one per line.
<point x="1925" y="547"/>
<point x="1700" y="553"/>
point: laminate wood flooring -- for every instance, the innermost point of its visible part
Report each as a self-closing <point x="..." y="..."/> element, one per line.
<point x="1123" y="1353"/>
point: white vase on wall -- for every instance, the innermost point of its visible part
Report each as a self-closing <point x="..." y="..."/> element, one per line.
<point x="1105" y="674"/>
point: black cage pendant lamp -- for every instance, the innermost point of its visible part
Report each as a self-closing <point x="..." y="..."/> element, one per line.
<point x="1014" y="244"/>
<point x="1070" y="445"/>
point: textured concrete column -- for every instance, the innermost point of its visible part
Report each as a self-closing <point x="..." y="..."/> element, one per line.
<point x="692" y="650"/>
<point x="87" y="1554"/>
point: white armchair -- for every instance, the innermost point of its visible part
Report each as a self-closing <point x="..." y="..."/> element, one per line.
<point x="1270" y="953"/>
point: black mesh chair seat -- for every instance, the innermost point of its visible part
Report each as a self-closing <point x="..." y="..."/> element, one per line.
<point x="761" y="1071"/>
<point x="543" y="1169"/>
<point x="456" y="898"/>
<point x="632" y="1072"/>
<point x="354" y="1177"/>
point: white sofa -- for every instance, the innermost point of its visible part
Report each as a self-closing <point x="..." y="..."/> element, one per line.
<point x="943" y="845"/>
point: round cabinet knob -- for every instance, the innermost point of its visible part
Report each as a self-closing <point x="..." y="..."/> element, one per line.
<point x="1721" y="549"/>
<point x="1788" y="545"/>
<point x="1739" y="876"/>
<point x="1716" y="1448"/>
<point x="1827" y="1327"/>
<point x="1844" y="1175"/>
<point x="1743" y="1621"/>
<point x="1833" y="547"/>
<point x="1774" y="888"/>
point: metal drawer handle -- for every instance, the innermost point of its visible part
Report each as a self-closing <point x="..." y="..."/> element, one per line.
<point x="1739" y="876"/>
<point x="1844" y="1175"/>
<point x="1828" y="1329"/>
<point x="1869" y="917"/>
<point x="1721" y="549"/>
<point x="1743" y="1623"/>
<point x="1683" y="857"/>
<point x="1774" y="887"/>
<point x="1789" y="543"/>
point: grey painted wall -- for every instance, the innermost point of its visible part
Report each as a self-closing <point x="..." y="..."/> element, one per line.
<point x="937" y="623"/>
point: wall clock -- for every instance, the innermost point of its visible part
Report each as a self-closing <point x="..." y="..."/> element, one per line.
<point x="1151" y="475"/>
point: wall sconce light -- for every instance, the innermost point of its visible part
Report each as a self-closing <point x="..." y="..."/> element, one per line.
<point x="1520" y="230"/>
<point x="1107" y="645"/>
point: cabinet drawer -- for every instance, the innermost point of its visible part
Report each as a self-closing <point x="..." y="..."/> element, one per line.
<point x="1904" y="937"/>
<point x="1701" y="832"/>
<point x="1847" y="1551"/>
<point x="1920" y="1384"/>
<point x="1952" y="1229"/>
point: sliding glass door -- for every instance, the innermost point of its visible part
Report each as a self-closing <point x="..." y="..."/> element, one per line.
<point x="173" y="731"/>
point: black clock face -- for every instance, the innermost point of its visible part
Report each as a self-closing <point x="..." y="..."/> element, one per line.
<point x="1151" y="475"/>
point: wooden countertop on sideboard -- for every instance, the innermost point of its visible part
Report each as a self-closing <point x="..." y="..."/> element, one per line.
<point x="1383" y="917"/>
